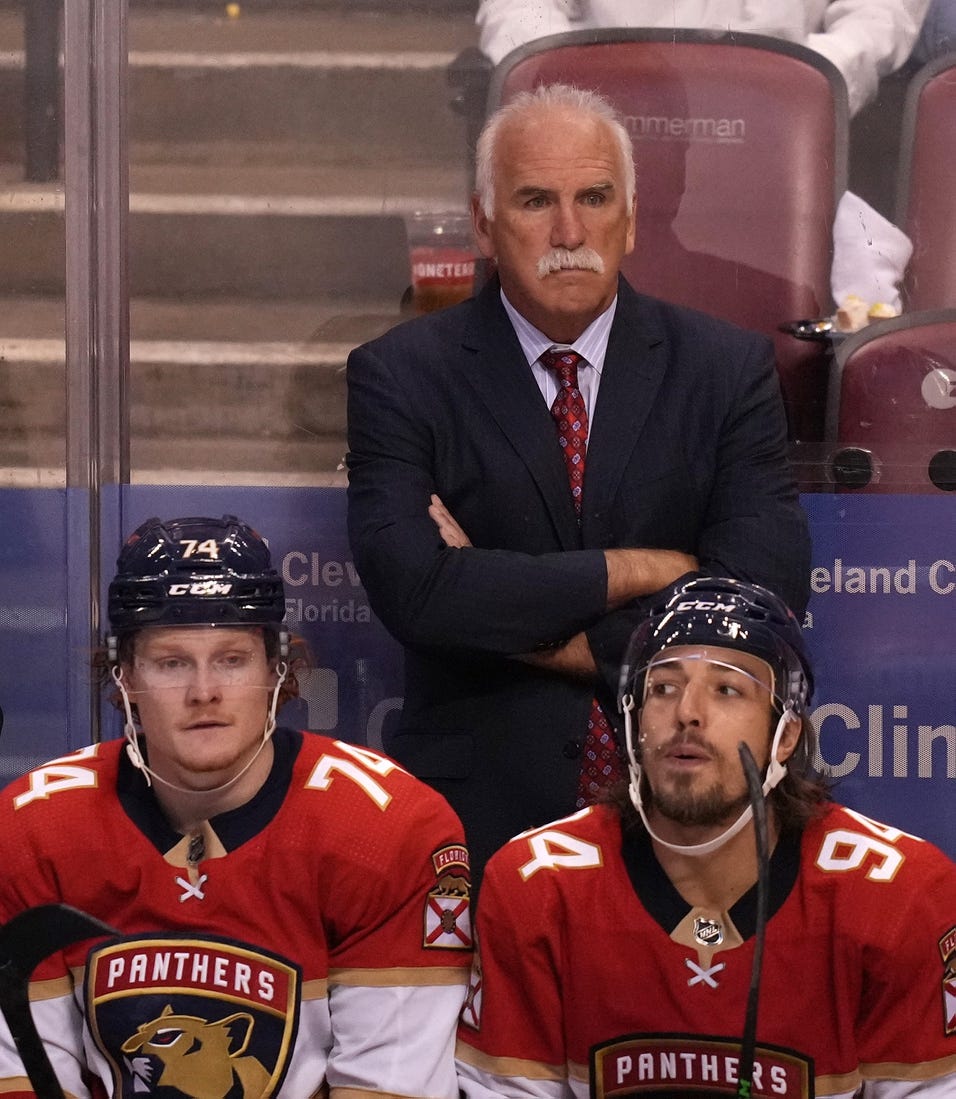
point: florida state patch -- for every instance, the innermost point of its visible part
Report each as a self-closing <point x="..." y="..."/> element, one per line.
<point x="471" y="1010"/>
<point x="448" y="905"/>
<point x="192" y="1016"/>
<point x="947" y="951"/>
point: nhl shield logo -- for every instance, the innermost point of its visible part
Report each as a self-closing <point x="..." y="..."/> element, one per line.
<point x="192" y="1017"/>
<point x="708" y="932"/>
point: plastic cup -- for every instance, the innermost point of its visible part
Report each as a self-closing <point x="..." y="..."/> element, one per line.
<point x="442" y="255"/>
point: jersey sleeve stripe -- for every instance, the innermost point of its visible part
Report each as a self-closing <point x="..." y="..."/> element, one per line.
<point x="927" y="1070"/>
<point x="398" y="978"/>
<point x="508" y="1066"/>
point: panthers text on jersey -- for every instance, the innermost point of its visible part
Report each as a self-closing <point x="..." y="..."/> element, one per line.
<point x="594" y="977"/>
<point x="316" y="937"/>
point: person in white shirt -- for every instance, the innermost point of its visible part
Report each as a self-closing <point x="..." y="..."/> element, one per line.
<point x="865" y="39"/>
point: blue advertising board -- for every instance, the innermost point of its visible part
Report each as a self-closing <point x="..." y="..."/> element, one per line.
<point x="881" y="627"/>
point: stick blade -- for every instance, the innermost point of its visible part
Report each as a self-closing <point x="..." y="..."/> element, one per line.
<point x="25" y="941"/>
<point x="38" y="932"/>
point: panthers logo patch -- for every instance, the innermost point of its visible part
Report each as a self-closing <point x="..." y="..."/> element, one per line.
<point x="192" y="1017"/>
<point x="657" y="1065"/>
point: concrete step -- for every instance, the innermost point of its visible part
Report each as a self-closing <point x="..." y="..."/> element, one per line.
<point x="256" y="166"/>
<point x="222" y="391"/>
<point x="272" y="159"/>
<point x="357" y="87"/>
<point x="227" y="228"/>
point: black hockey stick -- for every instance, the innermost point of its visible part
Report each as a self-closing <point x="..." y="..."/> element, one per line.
<point x="25" y="941"/>
<point x="748" y="1044"/>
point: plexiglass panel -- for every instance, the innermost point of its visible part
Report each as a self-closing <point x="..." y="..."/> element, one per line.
<point x="33" y="555"/>
<point x="274" y="151"/>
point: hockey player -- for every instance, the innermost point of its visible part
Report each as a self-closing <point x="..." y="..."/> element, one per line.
<point x="617" y="945"/>
<point x="293" y="909"/>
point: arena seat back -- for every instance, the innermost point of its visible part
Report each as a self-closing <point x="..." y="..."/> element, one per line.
<point x="891" y="415"/>
<point x="926" y="189"/>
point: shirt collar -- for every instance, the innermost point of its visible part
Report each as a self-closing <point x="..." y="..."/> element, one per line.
<point x="591" y="345"/>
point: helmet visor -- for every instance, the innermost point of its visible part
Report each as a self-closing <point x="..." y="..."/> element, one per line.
<point x="665" y="676"/>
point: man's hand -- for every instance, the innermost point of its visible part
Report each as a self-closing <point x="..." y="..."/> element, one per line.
<point x="632" y="573"/>
<point x="573" y="659"/>
<point x="448" y="528"/>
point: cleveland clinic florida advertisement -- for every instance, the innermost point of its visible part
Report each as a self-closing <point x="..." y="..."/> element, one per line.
<point x="881" y="628"/>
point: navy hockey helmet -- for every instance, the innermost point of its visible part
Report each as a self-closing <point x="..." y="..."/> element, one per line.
<point x="195" y="571"/>
<point x="732" y="614"/>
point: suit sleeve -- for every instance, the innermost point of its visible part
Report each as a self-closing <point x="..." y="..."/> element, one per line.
<point x="496" y="601"/>
<point x="753" y="526"/>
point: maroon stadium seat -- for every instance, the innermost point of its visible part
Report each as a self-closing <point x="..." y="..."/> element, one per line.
<point x="926" y="198"/>
<point x="740" y="145"/>
<point x="891" y="417"/>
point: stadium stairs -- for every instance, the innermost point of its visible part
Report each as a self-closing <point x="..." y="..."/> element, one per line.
<point x="274" y="149"/>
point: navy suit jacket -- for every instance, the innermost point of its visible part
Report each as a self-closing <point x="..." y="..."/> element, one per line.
<point x="687" y="451"/>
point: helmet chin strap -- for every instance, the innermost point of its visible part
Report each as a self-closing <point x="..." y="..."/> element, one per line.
<point x="135" y="755"/>
<point x="775" y="772"/>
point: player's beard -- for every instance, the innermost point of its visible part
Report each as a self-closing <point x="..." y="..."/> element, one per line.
<point x="686" y="807"/>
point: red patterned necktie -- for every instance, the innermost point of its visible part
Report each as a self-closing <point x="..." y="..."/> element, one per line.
<point x="571" y="417"/>
<point x="600" y="761"/>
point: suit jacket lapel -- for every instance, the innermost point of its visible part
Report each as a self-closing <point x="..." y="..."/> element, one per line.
<point x="634" y="370"/>
<point x="495" y="367"/>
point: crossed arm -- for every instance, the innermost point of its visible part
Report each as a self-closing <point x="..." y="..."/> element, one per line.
<point x="631" y="573"/>
<point x="447" y="578"/>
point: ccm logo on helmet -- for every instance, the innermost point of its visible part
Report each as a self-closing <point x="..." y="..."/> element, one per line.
<point x="704" y="605"/>
<point x="202" y="587"/>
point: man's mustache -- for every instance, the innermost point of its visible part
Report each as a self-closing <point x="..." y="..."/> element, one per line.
<point x="566" y="259"/>
<point x="687" y="737"/>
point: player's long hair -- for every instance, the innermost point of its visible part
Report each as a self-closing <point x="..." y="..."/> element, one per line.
<point x="802" y="794"/>
<point x="299" y="660"/>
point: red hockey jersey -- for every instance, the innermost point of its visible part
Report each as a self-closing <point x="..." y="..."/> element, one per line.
<point x="316" y="937"/>
<point x="596" y="978"/>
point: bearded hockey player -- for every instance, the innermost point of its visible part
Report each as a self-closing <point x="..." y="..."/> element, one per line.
<point x="293" y="910"/>
<point x="617" y="946"/>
